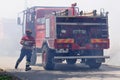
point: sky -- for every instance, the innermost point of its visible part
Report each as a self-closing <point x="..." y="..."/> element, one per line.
<point x="10" y="9"/>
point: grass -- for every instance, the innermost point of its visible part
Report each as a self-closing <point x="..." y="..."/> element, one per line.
<point x="7" y="76"/>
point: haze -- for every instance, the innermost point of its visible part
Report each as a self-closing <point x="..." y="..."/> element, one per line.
<point x="10" y="32"/>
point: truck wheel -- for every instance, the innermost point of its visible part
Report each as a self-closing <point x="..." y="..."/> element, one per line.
<point x="33" y="57"/>
<point x="95" y="63"/>
<point x="47" y="58"/>
<point x="92" y="64"/>
<point x="71" y="61"/>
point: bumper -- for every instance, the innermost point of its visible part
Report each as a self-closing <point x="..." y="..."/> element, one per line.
<point x="81" y="57"/>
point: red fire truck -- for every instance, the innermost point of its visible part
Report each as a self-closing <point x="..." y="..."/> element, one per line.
<point x="67" y="34"/>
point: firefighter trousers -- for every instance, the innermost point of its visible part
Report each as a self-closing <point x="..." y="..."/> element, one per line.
<point x="28" y="54"/>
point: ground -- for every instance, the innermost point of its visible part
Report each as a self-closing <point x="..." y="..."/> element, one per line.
<point x="61" y="72"/>
<point x="7" y="76"/>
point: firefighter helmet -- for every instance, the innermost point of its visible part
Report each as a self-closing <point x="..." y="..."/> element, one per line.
<point x="28" y="31"/>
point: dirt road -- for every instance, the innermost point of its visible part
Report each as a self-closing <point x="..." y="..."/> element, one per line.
<point x="62" y="71"/>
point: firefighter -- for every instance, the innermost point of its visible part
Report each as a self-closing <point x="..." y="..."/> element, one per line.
<point x="27" y="42"/>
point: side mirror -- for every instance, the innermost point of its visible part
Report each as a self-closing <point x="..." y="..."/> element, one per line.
<point x="18" y="21"/>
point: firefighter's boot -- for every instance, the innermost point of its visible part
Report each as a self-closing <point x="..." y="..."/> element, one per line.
<point x="27" y="68"/>
<point x="16" y="66"/>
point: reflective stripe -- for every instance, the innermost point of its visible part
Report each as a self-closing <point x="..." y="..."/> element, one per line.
<point x="27" y="47"/>
<point x="27" y="63"/>
<point x="99" y="40"/>
<point x="64" y="40"/>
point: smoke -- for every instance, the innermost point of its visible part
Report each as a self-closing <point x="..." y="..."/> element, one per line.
<point x="10" y="35"/>
<point x="1" y="30"/>
<point x="114" y="53"/>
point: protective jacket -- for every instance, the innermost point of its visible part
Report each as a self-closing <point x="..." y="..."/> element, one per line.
<point x="28" y="42"/>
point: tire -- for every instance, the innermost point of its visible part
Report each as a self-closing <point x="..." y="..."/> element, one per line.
<point x="92" y="62"/>
<point x="93" y="65"/>
<point x="33" y="57"/>
<point x="71" y="61"/>
<point x="47" y="58"/>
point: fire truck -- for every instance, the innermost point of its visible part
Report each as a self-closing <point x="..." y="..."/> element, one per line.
<point x="67" y="34"/>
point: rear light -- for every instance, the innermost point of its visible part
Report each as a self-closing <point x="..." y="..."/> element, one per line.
<point x="99" y="40"/>
<point x="62" y="41"/>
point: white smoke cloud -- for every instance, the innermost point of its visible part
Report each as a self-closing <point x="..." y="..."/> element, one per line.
<point x="1" y="31"/>
<point x="10" y="35"/>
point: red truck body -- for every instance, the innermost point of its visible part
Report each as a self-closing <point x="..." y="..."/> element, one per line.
<point x="64" y="33"/>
